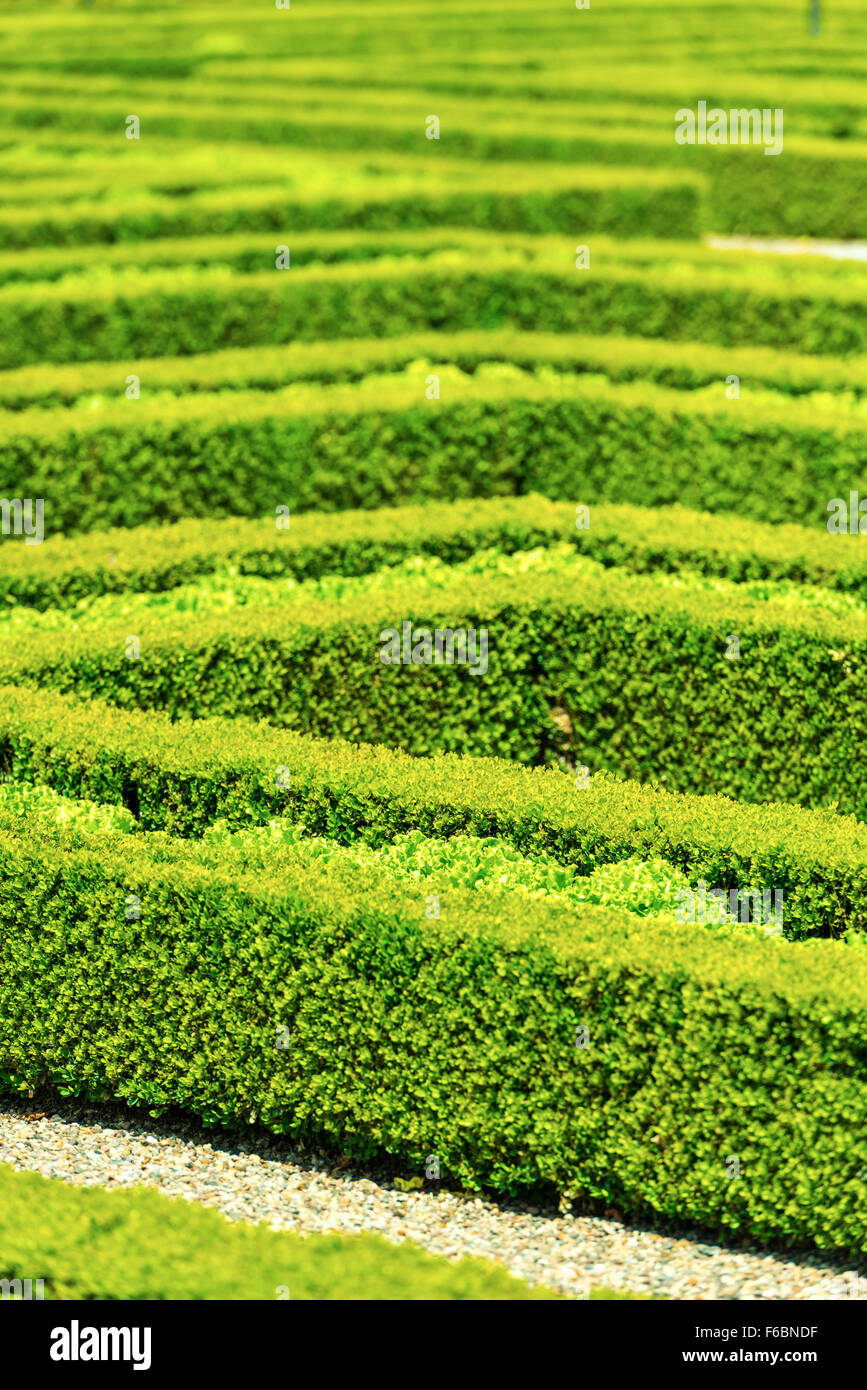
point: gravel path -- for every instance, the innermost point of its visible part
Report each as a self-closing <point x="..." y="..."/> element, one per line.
<point x="260" y="1179"/>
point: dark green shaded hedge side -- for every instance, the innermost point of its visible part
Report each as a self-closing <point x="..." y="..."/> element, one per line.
<point x="181" y="777"/>
<point x="408" y="1037"/>
<point x="329" y="448"/>
<point x="166" y="315"/>
<point x="620" y="203"/>
<point x="640" y="671"/>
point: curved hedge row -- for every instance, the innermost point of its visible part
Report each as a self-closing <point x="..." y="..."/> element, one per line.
<point x="181" y="777"/>
<point x="453" y="1037"/>
<point x="620" y="202"/>
<point x="168" y="314"/>
<point x="681" y="366"/>
<point x="244" y="252"/>
<point x="251" y="251"/>
<point x="153" y="559"/>
<point x="641" y="539"/>
<point x="615" y="670"/>
<point x="381" y="442"/>
<point x="815" y="189"/>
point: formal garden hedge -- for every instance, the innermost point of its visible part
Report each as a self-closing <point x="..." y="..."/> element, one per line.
<point x="382" y="442"/>
<point x="505" y="379"/>
<point x="92" y="1244"/>
<point x="458" y="1040"/>
<point x="707" y="720"/>
<point x="181" y="777"/>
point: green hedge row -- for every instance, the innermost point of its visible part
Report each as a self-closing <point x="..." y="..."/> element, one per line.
<point x="456" y="1037"/>
<point x="169" y="314"/>
<point x="642" y="539"/>
<point x="181" y="777"/>
<point x="620" y="202"/>
<point x="243" y="252"/>
<point x="614" y="669"/>
<point x="152" y="559"/>
<point x="681" y="366"/>
<point x="378" y="443"/>
<point x="89" y="1243"/>
<point x="814" y="102"/>
<point x="818" y="92"/>
<point x="814" y="188"/>
<point x="100" y="169"/>
<point x="250" y="252"/>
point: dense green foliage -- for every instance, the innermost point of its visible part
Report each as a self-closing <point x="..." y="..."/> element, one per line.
<point x="381" y="441"/>
<point x="183" y="777"/>
<point x="186" y="1002"/>
<point x="646" y="887"/>
<point x="227" y="590"/>
<point x="683" y="366"/>
<point x="90" y="1244"/>
<point x="25" y="799"/>
<point x="142" y="560"/>
<point x="201" y="309"/>
<point x="251" y="870"/>
<point x="707" y="722"/>
<point x="814" y="188"/>
<point x="596" y="199"/>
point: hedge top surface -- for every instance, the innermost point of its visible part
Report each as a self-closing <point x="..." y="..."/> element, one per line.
<point x="381" y="790"/>
<point x="800" y="976"/>
<point x="89" y="1243"/>
<point x="544" y="249"/>
<point x="495" y="599"/>
<point x="689" y="364"/>
<point x="403" y="391"/>
<point x="675" y="265"/>
<point x="641" y="538"/>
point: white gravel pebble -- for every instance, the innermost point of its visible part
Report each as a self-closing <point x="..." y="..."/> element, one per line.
<point x="262" y="1180"/>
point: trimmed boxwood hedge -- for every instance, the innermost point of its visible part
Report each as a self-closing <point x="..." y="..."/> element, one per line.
<point x="166" y="313"/>
<point x="642" y="539"/>
<point x="245" y="252"/>
<point x="454" y="1037"/>
<point x="151" y="559"/>
<point x="638" y="669"/>
<point x="254" y="251"/>
<point x="381" y="442"/>
<point x="683" y="366"/>
<point x="180" y="777"/>
<point x="620" y="202"/>
<point x="89" y="1243"/>
<point x="815" y="189"/>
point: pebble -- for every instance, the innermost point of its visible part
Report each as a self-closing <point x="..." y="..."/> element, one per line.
<point x="260" y="1180"/>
